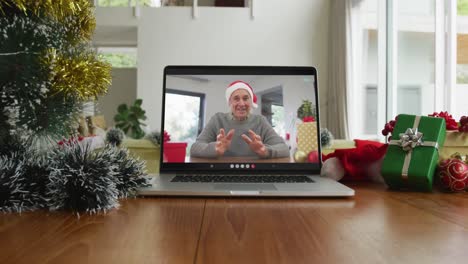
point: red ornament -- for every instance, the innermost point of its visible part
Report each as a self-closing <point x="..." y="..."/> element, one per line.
<point x="313" y="156"/>
<point x="388" y="128"/>
<point x="463" y="120"/>
<point x="71" y="140"/>
<point x="453" y="174"/>
<point x="463" y="124"/>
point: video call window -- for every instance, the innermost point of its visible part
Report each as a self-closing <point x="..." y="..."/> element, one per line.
<point x="191" y="101"/>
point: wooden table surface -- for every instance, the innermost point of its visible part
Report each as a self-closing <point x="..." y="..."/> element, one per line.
<point x="376" y="226"/>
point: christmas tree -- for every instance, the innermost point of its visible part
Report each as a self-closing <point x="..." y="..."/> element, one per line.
<point x="47" y="67"/>
<point x="47" y="71"/>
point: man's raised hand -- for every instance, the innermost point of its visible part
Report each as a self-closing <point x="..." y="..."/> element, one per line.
<point x="223" y="141"/>
<point x="255" y="143"/>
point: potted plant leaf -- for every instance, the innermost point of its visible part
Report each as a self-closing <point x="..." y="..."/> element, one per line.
<point x="129" y="119"/>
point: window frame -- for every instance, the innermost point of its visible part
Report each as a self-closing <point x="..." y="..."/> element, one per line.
<point x="201" y="114"/>
<point x="445" y="66"/>
<point x="445" y="52"/>
<point x="119" y="50"/>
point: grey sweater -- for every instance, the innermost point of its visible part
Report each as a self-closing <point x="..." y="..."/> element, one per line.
<point x="204" y="146"/>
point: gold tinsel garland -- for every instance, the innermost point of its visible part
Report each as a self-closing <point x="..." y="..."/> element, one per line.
<point x="76" y="13"/>
<point x="83" y="76"/>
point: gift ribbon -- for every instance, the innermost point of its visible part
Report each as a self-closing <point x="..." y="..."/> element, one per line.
<point x="459" y="156"/>
<point x="410" y="140"/>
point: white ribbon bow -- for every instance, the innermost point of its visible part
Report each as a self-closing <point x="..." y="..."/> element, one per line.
<point x="410" y="139"/>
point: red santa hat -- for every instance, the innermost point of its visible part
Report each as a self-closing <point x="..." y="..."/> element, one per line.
<point x="241" y="85"/>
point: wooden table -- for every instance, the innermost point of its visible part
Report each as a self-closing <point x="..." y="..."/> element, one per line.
<point x="376" y="226"/>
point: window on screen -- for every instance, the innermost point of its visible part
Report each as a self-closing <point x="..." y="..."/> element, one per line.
<point x="184" y="115"/>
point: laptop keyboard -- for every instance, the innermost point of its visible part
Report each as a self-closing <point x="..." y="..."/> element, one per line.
<point x="241" y="179"/>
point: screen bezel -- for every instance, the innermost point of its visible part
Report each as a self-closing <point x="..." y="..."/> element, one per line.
<point x="260" y="168"/>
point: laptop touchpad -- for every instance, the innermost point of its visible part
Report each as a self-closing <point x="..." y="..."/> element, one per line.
<point x="245" y="187"/>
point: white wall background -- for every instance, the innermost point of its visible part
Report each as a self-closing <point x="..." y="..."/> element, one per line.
<point x="121" y="91"/>
<point x="229" y="36"/>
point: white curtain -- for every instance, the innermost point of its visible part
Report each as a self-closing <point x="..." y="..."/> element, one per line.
<point x="339" y="77"/>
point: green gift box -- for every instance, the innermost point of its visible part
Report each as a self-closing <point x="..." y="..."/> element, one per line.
<point x="413" y="152"/>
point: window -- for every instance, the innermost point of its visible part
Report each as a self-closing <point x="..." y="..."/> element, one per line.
<point x="273" y="108"/>
<point x="462" y="65"/>
<point x="419" y="49"/>
<point x="119" y="57"/>
<point x="117" y="3"/>
<point x="368" y="58"/>
<point x="277" y="119"/>
<point x="184" y="115"/>
<point x="413" y="64"/>
<point x="216" y="3"/>
<point x="461" y="87"/>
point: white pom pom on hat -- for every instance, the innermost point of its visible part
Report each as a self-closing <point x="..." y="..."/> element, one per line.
<point x="241" y="85"/>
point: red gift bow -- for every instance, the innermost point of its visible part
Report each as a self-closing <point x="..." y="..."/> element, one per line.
<point x="450" y="123"/>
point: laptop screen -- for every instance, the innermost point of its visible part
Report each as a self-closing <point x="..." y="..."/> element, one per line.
<point x="240" y="119"/>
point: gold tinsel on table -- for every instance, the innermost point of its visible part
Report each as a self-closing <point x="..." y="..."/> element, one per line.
<point x="81" y="75"/>
<point x="76" y="13"/>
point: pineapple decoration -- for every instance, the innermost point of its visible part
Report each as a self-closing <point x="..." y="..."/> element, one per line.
<point x="306" y="112"/>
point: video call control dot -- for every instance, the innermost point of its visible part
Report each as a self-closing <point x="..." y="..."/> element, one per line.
<point x="242" y="166"/>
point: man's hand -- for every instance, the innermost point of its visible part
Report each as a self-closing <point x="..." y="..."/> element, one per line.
<point x="255" y="143"/>
<point x="223" y="141"/>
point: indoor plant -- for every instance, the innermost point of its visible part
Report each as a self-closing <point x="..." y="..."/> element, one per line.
<point x="129" y="119"/>
<point x="306" y="110"/>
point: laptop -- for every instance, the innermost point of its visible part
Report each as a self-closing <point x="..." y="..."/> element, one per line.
<point x="241" y="131"/>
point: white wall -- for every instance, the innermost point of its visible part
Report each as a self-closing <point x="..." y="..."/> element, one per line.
<point x="288" y="34"/>
<point x="122" y="90"/>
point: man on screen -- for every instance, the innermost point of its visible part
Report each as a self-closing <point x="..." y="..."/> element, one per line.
<point x="239" y="133"/>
